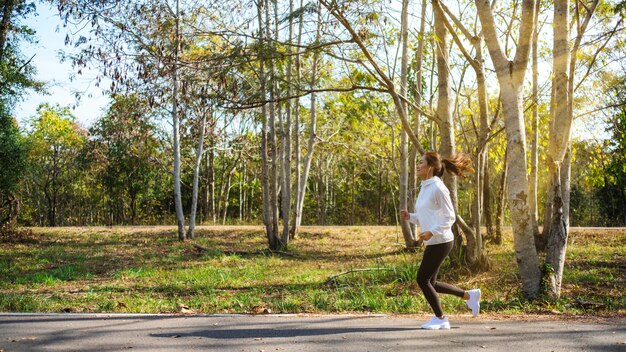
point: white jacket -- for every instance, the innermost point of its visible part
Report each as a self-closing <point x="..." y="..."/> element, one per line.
<point x="434" y="211"/>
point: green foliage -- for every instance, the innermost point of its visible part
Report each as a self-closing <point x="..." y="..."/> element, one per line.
<point x="124" y="153"/>
<point x="16" y="72"/>
<point x="54" y="140"/>
<point x="16" y="75"/>
<point x="599" y="169"/>
<point x="12" y="154"/>
<point x="12" y="167"/>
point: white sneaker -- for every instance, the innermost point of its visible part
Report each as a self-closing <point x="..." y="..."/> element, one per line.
<point x="474" y="301"/>
<point x="437" y="323"/>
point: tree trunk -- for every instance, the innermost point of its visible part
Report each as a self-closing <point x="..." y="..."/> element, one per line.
<point x="474" y="255"/>
<point x="196" y="175"/>
<point x="517" y="185"/>
<point x="534" y="146"/>
<point x="180" y="217"/>
<point x="444" y="112"/>
<point x="560" y="131"/>
<point x="416" y="122"/>
<point x="286" y="143"/>
<point x="226" y="198"/>
<point x="511" y="78"/>
<point x="487" y="198"/>
<point x="272" y="146"/>
<point x="407" y="233"/>
<point x="566" y="184"/>
<point x="312" y="136"/>
<point x="296" y="133"/>
<point x="501" y="203"/>
<point x="557" y="240"/>
<point x="268" y="216"/>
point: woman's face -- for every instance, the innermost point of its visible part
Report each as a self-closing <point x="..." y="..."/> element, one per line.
<point x="423" y="170"/>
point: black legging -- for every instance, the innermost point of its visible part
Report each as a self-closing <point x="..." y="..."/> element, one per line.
<point x="427" y="276"/>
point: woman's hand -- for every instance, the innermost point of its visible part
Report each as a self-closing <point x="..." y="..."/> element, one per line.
<point x="404" y="215"/>
<point x="426" y="235"/>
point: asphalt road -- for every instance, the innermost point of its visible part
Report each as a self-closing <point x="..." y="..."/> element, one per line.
<point x="90" y="332"/>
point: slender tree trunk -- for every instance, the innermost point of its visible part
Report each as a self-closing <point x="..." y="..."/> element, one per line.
<point x="272" y="146"/>
<point x="534" y="146"/>
<point x="204" y="191"/>
<point x="196" y="175"/>
<point x="243" y="181"/>
<point x="474" y="255"/>
<point x="566" y="184"/>
<point x="211" y="182"/>
<point x="268" y="214"/>
<point x="226" y="198"/>
<point x="296" y="133"/>
<point x="180" y="217"/>
<point x="444" y="112"/>
<point x="416" y="123"/>
<point x="312" y="134"/>
<point x="407" y="233"/>
<point x="487" y="198"/>
<point x="286" y="162"/>
<point x="501" y="203"/>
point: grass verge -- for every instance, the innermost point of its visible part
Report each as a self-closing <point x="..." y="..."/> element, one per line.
<point x="147" y="270"/>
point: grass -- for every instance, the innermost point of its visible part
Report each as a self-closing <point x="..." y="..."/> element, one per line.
<point x="147" y="270"/>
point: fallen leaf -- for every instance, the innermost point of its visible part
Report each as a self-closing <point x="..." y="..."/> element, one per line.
<point x="184" y="309"/>
<point x="260" y="310"/>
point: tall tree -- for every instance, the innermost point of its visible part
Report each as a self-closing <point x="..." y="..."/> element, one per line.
<point x="511" y="75"/>
<point x="16" y="75"/>
<point x="474" y="254"/>
<point x="564" y="63"/>
<point x="407" y="230"/>
<point x="12" y="167"/>
<point x="125" y="153"/>
<point x="55" y="141"/>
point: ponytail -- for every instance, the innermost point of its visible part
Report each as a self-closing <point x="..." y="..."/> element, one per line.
<point x="457" y="164"/>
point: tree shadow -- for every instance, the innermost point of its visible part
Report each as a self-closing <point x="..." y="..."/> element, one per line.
<point x="253" y="333"/>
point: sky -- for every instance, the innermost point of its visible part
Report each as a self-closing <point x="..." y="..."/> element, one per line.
<point x="50" y="40"/>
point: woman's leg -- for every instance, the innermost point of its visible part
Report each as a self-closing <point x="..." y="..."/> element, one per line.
<point x="427" y="276"/>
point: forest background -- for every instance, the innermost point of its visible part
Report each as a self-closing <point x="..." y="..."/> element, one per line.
<point x="290" y="113"/>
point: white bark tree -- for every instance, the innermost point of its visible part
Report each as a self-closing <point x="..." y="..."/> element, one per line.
<point x="178" y="203"/>
<point x="407" y="231"/>
<point x="475" y="254"/>
<point x="511" y="75"/>
<point x="564" y="56"/>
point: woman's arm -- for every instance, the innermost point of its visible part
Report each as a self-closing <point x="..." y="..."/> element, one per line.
<point x="410" y="217"/>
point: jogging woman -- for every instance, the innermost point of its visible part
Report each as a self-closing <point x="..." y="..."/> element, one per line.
<point x="434" y="214"/>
